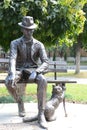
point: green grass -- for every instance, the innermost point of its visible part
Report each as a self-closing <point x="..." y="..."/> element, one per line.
<point x="30" y="95"/>
<point x="74" y="93"/>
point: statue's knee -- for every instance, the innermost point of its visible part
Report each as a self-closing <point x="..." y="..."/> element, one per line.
<point x="44" y="82"/>
<point x="41" y="79"/>
<point x="7" y="83"/>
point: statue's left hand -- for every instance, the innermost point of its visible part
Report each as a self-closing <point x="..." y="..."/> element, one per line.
<point x="33" y="75"/>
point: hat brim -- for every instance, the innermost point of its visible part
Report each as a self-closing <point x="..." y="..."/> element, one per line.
<point x="30" y="27"/>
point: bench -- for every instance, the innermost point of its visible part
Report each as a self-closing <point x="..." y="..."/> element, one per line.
<point x="4" y="64"/>
<point x="54" y="67"/>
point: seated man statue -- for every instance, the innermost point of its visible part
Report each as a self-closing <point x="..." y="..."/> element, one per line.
<point x="24" y="54"/>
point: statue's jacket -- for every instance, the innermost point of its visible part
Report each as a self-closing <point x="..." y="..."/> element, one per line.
<point x="18" y="55"/>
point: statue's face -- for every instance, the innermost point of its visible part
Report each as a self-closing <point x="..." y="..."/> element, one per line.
<point x="27" y="32"/>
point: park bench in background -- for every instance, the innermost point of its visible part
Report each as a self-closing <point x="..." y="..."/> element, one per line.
<point x="4" y="64"/>
<point x="54" y="67"/>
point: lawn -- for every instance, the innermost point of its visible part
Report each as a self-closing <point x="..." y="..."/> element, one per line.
<point x="74" y="93"/>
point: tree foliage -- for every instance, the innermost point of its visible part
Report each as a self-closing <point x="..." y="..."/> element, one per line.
<point x="84" y="34"/>
<point x="59" y="21"/>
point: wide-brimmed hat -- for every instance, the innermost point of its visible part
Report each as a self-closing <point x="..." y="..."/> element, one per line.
<point x="27" y="23"/>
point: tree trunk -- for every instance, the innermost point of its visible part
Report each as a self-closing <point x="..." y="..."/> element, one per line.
<point x="78" y="47"/>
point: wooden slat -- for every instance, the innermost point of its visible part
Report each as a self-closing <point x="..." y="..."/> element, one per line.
<point x="4" y="60"/>
<point x="49" y="81"/>
<point x="54" y="66"/>
<point x="61" y="81"/>
<point x="57" y="70"/>
<point x="63" y="63"/>
<point x="58" y="63"/>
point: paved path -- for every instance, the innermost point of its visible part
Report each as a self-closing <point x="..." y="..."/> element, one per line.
<point x="77" y="117"/>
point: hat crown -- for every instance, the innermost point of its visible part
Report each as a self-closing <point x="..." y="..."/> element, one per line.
<point x="27" y="21"/>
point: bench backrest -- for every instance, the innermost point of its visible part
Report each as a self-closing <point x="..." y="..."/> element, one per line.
<point x="54" y="66"/>
<point x="4" y="60"/>
<point x="57" y="66"/>
<point x="4" y="64"/>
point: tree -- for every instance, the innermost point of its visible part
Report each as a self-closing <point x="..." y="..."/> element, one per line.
<point x="78" y="47"/>
<point x="81" y="41"/>
<point x="84" y="34"/>
<point x="59" y="21"/>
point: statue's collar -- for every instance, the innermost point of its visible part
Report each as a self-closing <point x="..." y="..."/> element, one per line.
<point x="27" y="42"/>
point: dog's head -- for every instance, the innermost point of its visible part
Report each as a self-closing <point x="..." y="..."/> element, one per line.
<point x="57" y="90"/>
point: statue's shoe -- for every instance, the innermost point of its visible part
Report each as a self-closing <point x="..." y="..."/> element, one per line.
<point x="42" y="121"/>
<point x="22" y="114"/>
<point x="30" y="119"/>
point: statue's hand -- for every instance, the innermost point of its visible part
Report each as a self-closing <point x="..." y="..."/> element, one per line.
<point x="11" y="80"/>
<point x="33" y="75"/>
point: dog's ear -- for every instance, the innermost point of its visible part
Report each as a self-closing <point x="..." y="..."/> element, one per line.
<point x="53" y="85"/>
<point x="53" y="89"/>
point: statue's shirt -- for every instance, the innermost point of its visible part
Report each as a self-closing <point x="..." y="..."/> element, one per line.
<point x="28" y="63"/>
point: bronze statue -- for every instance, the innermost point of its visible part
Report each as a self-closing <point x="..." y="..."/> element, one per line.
<point x="24" y="54"/>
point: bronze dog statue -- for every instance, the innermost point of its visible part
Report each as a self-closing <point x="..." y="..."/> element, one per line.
<point x="57" y="97"/>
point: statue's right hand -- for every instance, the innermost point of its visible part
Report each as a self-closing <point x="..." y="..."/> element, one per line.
<point x="11" y="80"/>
